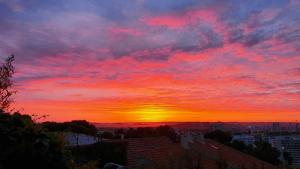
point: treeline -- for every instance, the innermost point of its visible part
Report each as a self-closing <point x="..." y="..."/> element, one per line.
<point x="75" y="126"/>
<point x="100" y="153"/>
<point x="261" y="149"/>
<point x="84" y="127"/>
<point x="24" y="145"/>
<point x="142" y="132"/>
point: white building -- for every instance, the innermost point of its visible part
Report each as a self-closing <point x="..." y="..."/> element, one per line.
<point x="74" y="139"/>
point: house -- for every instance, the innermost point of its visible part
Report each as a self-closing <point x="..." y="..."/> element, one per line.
<point x="76" y="139"/>
<point x="154" y="152"/>
<point x="286" y="143"/>
<point x="233" y="158"/>
<point x="162" y="153"/>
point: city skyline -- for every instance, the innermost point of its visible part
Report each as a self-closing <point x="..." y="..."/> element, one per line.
<point x="155" y="61"/>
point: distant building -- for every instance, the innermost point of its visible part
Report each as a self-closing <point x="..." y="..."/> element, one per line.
<point x="74" y="139"/>
<point x="247" y="139"/>
<point x="289" y="143"/>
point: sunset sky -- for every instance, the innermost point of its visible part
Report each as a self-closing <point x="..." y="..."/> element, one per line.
<point x="154" y="60"/>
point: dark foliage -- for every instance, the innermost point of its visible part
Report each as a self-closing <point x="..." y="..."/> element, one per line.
<point x="23" y="145"/>
<point x="76" y="126"/>
<point x="107" y="135"/>
<point x="239" y="145"/>
<point x="101" y="152"/>
<point x="152" y="132"/>
<point x="6" y="72"/>
<point x="262" y="150"/>
<point x="220" y="136"/>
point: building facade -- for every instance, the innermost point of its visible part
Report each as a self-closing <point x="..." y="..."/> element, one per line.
<point x="288" y="143"/>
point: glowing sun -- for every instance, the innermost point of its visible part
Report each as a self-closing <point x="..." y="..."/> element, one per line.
<point x="150" y="113"/>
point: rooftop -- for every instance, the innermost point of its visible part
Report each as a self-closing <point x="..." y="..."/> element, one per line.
<point x="161" y="152"/>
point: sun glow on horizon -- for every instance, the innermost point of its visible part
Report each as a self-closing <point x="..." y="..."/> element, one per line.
<point x="152" y="113"/>
<point x="154" y="61"/>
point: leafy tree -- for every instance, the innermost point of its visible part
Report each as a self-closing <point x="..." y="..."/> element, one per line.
<point x="152" y="132"/>
<point x="53" y="126"/>
<point x="6" y="72"/>
<point x="169" y="132"/>
<point x="264" y="151"/>
<point x="102" y="153"/>
<point x="239" y="145"/>
<point x="107" y="135"/>
<point x="23" y="145"/>
<point x="220" y="136"/>
<point x="75" y="126"/>
<point x="81" y="126"/>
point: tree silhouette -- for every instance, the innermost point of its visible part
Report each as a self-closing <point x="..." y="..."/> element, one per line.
<point x="220" y="136"/>
<point x="22" y="143"/>
<point x="6" y="72"/>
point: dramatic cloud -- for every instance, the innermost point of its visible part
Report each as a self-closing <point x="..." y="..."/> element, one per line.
<point x="201" y="60"/>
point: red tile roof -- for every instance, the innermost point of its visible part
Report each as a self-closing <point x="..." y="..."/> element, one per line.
<point x="155" y="150"/>
<point x="162" y="153"/>
<point x="234" y="158"/>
